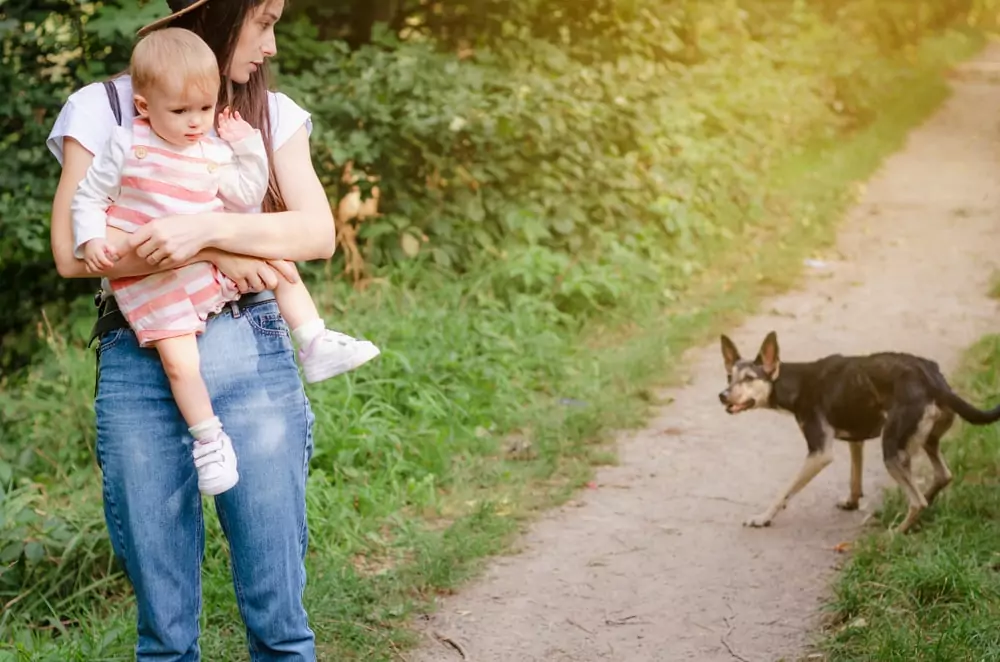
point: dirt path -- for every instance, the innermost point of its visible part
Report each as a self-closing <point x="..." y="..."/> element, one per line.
<point x="654" y="564"/>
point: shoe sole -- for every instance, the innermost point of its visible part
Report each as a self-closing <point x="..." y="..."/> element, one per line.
<point x="324" y="371"/>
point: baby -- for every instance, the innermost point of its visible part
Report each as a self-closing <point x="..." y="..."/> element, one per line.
<point x="166" y="163"/>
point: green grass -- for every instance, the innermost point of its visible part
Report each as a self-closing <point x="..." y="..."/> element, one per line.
<point x="933" y="594"/>
<point x="491" y="402"/>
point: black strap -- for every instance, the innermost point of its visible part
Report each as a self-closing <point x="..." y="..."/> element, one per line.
<point x="116" y="106"/>
<point x="105" y="320"/>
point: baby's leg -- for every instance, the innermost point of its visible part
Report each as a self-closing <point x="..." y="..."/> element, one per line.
<point x="213" y="451"/>
<point x="183" y="367"/>
<point x="324" y="353"/>
<point x="296" y="304"/>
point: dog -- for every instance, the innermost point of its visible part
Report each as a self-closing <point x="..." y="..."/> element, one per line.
<point x="903" y="399"/>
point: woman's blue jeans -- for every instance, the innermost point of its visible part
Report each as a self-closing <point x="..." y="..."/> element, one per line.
<point x="152" y="505"/>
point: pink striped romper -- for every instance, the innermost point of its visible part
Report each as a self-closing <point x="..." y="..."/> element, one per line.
<point x="144" y="178"/>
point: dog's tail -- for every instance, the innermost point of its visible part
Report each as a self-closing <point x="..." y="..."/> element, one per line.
<point x="967" y="411"/>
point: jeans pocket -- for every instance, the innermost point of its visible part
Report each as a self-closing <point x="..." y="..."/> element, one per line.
<point x="109" y="340"/>
<point x="267" y="320"/>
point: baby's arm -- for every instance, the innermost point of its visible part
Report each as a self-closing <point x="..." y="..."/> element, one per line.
<point x="99" y="188"/>
<point x="243" y="183"/>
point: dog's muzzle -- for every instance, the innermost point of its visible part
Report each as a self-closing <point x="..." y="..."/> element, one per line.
<point x="733" y="408"/>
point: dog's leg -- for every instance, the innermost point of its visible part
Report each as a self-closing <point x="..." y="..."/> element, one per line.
<point x="819" y="439"/>
<point x="899" y="437"/>
<point x="917" y="500"/>
<point x="814" y="463"/>
<point x="942" y="475"/>
<point x="857" y="461"/>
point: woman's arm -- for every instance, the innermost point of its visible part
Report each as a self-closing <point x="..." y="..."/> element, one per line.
<point x="304" y="232"/>
<point x="76" y="161"/>
<point x="250" y="274"/>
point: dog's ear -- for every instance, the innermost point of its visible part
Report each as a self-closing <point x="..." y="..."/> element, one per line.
<point x="730" y="355"/>
<point x="768" y="357"/>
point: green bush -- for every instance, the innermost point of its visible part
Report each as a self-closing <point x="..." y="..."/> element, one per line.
<point x="46" y="51"/>
<point x="651" y="123"/>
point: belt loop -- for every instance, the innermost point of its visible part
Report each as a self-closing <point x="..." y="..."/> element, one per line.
<point x="235" y="307"/>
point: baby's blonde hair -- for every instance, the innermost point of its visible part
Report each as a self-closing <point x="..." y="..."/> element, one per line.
<point x="173" y="60"/>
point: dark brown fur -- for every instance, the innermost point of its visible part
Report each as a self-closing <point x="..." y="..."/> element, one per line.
<point x="903" y="399"/>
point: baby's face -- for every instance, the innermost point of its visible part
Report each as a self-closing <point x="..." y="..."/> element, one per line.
<point x="181" y="117"/>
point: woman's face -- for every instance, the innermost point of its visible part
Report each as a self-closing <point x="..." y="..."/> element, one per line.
<point x="256" y="42"/>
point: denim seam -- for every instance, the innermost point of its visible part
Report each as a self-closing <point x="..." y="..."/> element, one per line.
<point x="237" y="585"/>
<point x="113" y="507"/>
<point x="199" y="542"/>
<point x="304" y="528"/>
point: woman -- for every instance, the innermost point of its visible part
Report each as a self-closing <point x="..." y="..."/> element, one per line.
<point x="151" y="500"/>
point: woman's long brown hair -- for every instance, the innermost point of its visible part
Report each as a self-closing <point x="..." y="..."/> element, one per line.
<point x="219" y="23"/>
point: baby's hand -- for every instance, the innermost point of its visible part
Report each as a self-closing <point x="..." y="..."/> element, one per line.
<point x="98" y="256"/>
<point x="232" y="127"/>
<point x="117" y="247"/>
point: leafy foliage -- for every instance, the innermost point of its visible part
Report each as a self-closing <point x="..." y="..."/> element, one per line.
<point x="493" y="124"/>
<point x="646" y="122"/>
<point x="47" y="49"/>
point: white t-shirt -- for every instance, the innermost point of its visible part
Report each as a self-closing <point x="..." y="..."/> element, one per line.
<point x="87" y="117"/>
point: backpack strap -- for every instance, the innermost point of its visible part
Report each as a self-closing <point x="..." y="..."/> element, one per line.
<point x="116" y="107"/>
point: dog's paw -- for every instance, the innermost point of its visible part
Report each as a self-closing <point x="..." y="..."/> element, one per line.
<point x="848" y="504"/>
<point x="758" y="522"/>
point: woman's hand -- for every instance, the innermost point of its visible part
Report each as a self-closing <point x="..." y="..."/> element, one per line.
<point x="253" y="274"/>
<point x="172" y="240"/>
